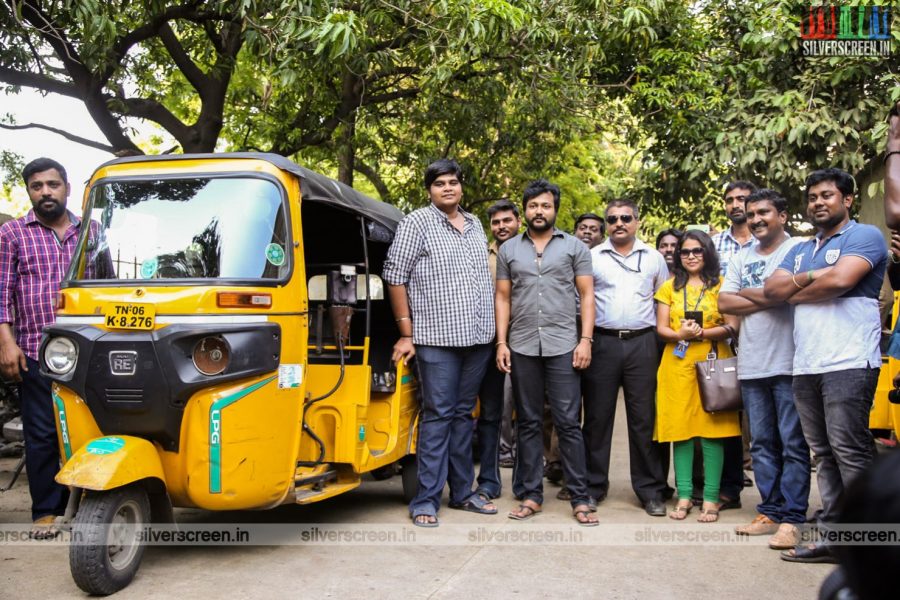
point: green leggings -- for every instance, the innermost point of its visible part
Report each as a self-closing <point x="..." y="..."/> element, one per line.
<point x="713" y="458"/>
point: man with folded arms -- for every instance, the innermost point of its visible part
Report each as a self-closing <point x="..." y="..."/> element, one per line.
<point x="780" y="454"/>
<point x="833" y="281"/>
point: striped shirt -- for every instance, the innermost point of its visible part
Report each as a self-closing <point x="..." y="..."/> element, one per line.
<point x="446" y="275"/>
<point x="727" y="246"/>
<point x="33" y="262"/>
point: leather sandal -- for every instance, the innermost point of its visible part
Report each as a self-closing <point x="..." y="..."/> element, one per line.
<point x="681" y="511"/>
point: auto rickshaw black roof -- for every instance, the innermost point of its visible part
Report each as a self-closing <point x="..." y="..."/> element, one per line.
<point x="316" y="187"/>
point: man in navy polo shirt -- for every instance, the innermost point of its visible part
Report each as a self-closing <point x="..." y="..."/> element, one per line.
<point x="833" y="282"/>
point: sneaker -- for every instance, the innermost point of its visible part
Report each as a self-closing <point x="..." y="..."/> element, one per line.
<point x="44" y="528"/>
<point x="787" y="536"/>
<point x="761" y="525"/>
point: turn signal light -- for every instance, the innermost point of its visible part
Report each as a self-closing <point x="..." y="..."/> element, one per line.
<point x="60" y="302"/>
<point x="243" y="300"/>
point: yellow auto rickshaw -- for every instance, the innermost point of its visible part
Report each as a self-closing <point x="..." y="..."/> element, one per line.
<point x="222" y="342"/>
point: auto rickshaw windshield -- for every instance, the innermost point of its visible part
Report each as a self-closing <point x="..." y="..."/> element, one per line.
<point x="196" y="228"/>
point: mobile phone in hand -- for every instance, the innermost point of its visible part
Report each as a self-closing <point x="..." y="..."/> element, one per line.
<point x="694" y="315"/>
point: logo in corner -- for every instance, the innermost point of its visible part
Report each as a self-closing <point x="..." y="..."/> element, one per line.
<point x="843" y="30"/>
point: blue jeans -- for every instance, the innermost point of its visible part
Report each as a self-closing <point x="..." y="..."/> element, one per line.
<point x="450" y="378"/>
<point x="491" y="397"/>
<point x="779" y="451"/>
<point x="834" y="412"/>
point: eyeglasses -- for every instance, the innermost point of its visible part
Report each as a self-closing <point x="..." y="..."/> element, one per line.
<point x="613" y="219"/>
<point x="691" y="251"/>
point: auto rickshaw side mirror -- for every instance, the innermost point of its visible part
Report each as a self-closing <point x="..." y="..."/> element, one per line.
<point x="317" y="288"/>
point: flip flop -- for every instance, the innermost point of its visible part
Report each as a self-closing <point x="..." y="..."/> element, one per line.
<point x="418" y="523"/>
<point x="680" y="513"/>
<point x="711" y="513"/>
<point x="477" y="503"/>
<point x="587" y="515"/>
<point x="524" y="517"/>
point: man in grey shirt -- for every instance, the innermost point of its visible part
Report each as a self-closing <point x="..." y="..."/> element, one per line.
<point x="765" y="363"/>
<point x="538" y="343"/>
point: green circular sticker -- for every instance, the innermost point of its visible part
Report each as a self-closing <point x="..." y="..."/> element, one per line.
<point x="275" y="254"/>
<point x="106" y="445"/>
<point x="148" y="268"/>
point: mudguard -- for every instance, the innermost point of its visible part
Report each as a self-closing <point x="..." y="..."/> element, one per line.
<point x="110" y="462"/>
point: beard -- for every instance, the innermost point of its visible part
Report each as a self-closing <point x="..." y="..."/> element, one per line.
<point x="738" y="219"/>
<point x="547" y="224"/>
<point x="48" y="213"/>
<point x="829" y="222"/>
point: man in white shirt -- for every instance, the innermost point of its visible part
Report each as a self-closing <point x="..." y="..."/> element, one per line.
<point x="627" y="273"/>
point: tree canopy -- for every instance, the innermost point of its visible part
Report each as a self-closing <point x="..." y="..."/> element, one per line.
<point x="657" y="101"/>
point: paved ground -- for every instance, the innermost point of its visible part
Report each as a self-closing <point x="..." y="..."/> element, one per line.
<point x="626" y="557"/>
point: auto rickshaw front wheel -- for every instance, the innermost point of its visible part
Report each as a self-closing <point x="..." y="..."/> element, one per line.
<point x="106" y="547"/>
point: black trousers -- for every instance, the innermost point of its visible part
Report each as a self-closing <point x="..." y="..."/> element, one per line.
<point x="531" y="376"/>
<point x="630" y="364"/>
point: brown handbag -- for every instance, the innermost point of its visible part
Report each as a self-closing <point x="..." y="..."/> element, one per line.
<point x="720" y="390"/>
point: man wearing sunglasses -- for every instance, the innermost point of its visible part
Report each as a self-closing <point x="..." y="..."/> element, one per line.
<point x="627" y="273"/>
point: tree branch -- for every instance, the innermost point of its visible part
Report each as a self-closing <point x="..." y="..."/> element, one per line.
<point x="374" y="178"/>
<point x="189" y="69"/>
<point x="154" y="111"/>
<point x="84" y="82"/>
<point x="40" y="82"/>
<point x="69" y="136"/>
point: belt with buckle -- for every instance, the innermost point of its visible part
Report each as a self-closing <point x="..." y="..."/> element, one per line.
<point x="624" y="334"/>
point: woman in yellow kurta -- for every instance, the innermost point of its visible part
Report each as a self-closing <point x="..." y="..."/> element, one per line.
<point x="679" y="414"/>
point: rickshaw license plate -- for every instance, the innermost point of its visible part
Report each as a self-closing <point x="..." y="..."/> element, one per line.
<point x="126" y="315"/>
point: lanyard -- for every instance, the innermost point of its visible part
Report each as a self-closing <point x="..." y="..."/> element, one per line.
<point x="628" y="269"/>
<point x="699" y="300"/>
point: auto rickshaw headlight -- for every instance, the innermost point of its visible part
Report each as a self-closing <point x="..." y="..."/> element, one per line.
<point x="61" y="354"/>
<point x="211" y="355"/>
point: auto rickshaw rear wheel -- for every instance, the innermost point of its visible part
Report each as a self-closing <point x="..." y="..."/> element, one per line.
<point x="385" y="472"/>
<point x="106" y="548"/>
<point x="409" y="473"/>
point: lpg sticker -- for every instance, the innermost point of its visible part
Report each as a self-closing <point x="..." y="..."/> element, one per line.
<point x="275" y="254"/>
<point x="106" y="445"/>
<point x="831" y="256"/>
<point x="63" y="425"/>
<point x="216" y="432"/>
<point x="149" y="267"/>
<point x="290" y="376"/>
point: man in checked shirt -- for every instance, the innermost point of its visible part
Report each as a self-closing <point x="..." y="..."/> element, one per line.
<point x="35" y="252"/>
<point x="443" y="301"/>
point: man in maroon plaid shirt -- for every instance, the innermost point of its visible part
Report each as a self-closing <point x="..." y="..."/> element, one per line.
<point x="35" y="252"/>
